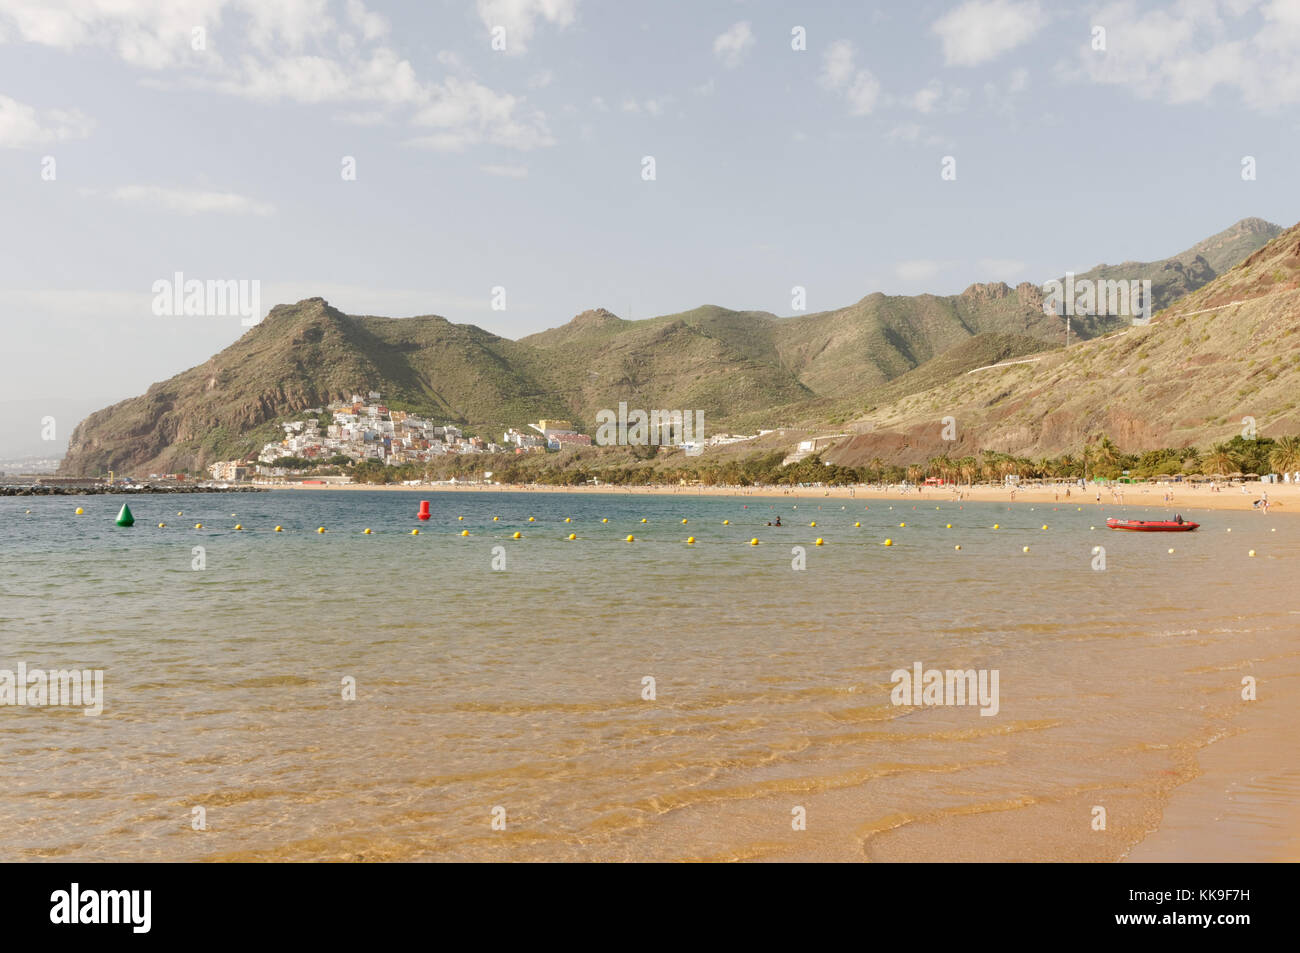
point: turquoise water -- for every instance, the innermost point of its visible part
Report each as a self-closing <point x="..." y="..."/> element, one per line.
<point x="522" y="688"/>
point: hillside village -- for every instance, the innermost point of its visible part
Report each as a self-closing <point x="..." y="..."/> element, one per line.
<point x="365" y="429"/>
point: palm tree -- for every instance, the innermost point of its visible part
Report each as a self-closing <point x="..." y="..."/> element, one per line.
<point x="1220" y="460"/>
<point x="967" y="470"/>
<point x="1285" y="457"/>
<point x="1107" y="454"/>
<point x="940" y="466"/>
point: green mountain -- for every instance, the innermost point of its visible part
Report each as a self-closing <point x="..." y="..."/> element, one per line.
<point x="1172" y="278"/>
<point x="1216" y="362"/>
<point x="744" y="369"/>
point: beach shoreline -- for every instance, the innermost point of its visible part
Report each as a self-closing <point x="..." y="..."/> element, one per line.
<point x="1282" y="497"/>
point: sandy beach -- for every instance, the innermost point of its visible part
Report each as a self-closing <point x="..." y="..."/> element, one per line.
<point x="1234" y="783"/>
<point x="1282" y="497"/>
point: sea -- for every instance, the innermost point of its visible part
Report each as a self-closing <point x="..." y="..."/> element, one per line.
<point x="466" y="695"/>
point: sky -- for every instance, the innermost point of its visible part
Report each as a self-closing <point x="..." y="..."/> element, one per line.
<point x="490" y="160"/>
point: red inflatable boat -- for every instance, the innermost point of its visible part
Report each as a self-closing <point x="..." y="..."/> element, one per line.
<point x="1152" y="526"/>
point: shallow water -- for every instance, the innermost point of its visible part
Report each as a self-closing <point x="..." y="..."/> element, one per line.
<point x="522" y="689"/>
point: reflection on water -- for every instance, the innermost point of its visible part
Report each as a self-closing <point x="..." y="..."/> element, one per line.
<point x="523" y="688"/>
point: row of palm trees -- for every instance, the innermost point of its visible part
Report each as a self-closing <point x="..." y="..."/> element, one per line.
<point x="1102" y="459"/>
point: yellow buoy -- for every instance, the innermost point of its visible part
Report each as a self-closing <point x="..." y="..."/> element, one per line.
<point x="162" y="525"/>
<point x="1024" y="549"/>
<point x="1251" y="553"/>
<point x="198" y="526"/>
<point x="1044" y="526"/>
<point x="239" y="526"/>
<point x="464" y="532"/>
<point x="517" y="535"/>
<point x="232" y="515"/>
<point x="1229" y="529"/>
<point x="643" y="519"/>
<point x="605" y="520"/>
<point x="813" y="523"/>
<point x="901" y="525"/>
<point x="573" y="536"/>
<point x="754" y="541"/>
<point x="857" y="524"/>
<point x="568" y="519"/>
<point x="995" y="525"/>
<point x="179" y="513"/>
<point x="690" y="540"/>
<point x="949" y="526"/>
<point x="726" y="522"/>
<point x="532" y="519"/>
<point x="631" y="538"/>
<point x="819" y="541"/>
<point x="889" y="542"/>
<point x="366" y="531"/>
<point x="958" y="546"/>
<point x="495" y="518"/>
<point x="80" y="511"/>
<point x="279" y="529"/>
<point x="683" y="521"/>
<point x="461" y="518"/>
<point x="414" y="532"/>
<point x="1171" y="549"/>
<point x="320" y="529"/>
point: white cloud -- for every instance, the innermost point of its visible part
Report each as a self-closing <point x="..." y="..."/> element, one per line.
<point x="654" y="107"/>
<point x="25" y="127"/>
<point x="837" y="65"/>
<point x="1184" y="52"/>
<point x="935" y="95"/>
<point x="300" y="51"/>
<point x="541" y="79"/>
<point x="911" y="132"/>
<point x="466" y="113"/>
<point x="859" y="87"/>
<point x="917" y="270"/>
<point x="520" y="17"/>
<point x="188" y="201"/>
<point x="982" y="30"/>
<point x="372" y="25"/>
<point x="732" y="45"/>
<point x="506" y="171"/>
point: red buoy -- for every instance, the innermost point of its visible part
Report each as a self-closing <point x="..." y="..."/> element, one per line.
<point x="424" y="510"/>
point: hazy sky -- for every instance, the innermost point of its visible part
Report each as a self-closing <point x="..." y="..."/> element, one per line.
<point x="522" y="168"/>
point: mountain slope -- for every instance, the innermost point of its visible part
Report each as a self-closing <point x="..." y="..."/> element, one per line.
<point x="1178" y="275"/>
<point x="744" y="369"/>
<point x="1224" y="353"/>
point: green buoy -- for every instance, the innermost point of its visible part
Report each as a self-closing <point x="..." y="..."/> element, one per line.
<point x="124" y="517"/>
